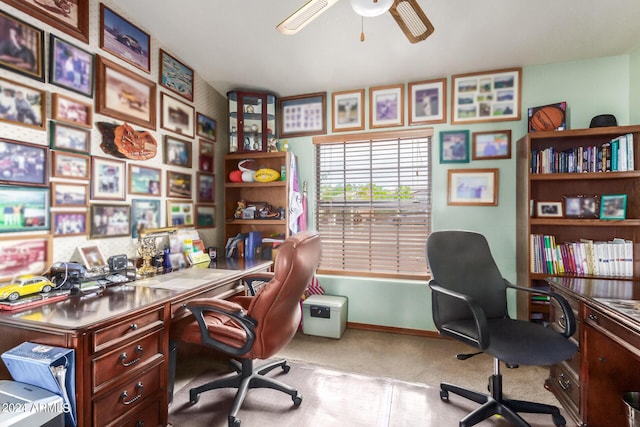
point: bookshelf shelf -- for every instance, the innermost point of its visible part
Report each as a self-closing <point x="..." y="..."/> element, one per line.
<point x="583" y="176"/>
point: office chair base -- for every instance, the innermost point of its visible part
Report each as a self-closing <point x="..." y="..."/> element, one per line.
<point x="245" y="378"/>
<point x="494" y="404"/>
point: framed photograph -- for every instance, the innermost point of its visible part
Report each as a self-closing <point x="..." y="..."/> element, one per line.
<point x="176" y="76"/>
<point x="69" y="223"/>
<point x="108" y="179"/>
<point x="177" y="152"/>
<point x="428" y="102"/>
<point x="386" y="106"/>
<point x="179" y="184"/>
<point x="124" y="95"/>
<point x="69" y="195"/>
<point x="110" y="221"/>
<point x="347" y="111"/>
<point x="206" y="187"/>
<point x="72" y="17"/>
<point x="472" y="187"/>
<point x="70" y="165"/>
<point x="69" y="138"/>
<point x="70" y="67"/>
<point x="206" y="156"/>
<point x="92" y="256"/>
<point x="581" y="206"/>
<point x="23" y="163"/>
<point x="25" y="254"/>
<point x="177" y="116"/>
<point x="145" y="214"/>
<point x="613" y="206"/>
<point x="489" y="96"/>
<point x="22" y="105"/>
<point x="205" y="216"/>
<point x="206" y="127"/>
<point x="123" y="39"/>
<point x="23" y="208"/>
<point x="491" y="145"/>
<point x="549" y="209"/>
<point x="302" y="115"/>
<point x="454" y="146"/>
<point x="21" y="47"/>
<point x="72" y="111"/>
<point x="179" y="213"/>
<point x="144" y="180"/>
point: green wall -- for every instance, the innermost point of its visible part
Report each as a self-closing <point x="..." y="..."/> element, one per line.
<point x="634" y="87"/>
<point x="590" y="87"/>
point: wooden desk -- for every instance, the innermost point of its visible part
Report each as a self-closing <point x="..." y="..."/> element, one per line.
<point x="121" y="339"/>
<point x="591" y="384"/>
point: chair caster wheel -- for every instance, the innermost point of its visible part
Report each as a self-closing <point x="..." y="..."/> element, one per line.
<point x="297" y="400"/>
<point x="234" y="422"/>
<point x="559" y="420"/>
<point x="286" y="368"/>
<point x="444" y="395"/>
<point x="193" y="398"/>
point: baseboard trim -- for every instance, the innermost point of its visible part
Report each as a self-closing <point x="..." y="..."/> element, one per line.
<point x="394" y="330"/>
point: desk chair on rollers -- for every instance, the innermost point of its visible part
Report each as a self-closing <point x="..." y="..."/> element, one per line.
<point x="470" y="305"/>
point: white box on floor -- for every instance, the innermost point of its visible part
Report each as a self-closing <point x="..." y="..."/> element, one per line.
<point x="324" y="315"/>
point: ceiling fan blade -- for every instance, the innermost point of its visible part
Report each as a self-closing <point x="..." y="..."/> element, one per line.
<point x="301" y="17"/>
<point x="412" y="20"/>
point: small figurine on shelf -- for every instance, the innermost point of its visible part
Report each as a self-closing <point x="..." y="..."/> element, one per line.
<point x="272" y="145"/>
<point x="241" y="206"/>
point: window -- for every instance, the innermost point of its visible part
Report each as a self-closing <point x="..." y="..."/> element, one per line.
<point x="373" y="203"/>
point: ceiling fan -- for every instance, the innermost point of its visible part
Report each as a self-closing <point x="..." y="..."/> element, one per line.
<point x="407" y="13"/>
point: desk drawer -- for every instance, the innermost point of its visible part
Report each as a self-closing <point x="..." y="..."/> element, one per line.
<point x="145" y="416"/>
<point x="563" y="381"/>
<point x="619" y="333"/>
<point x="128" y="397"/>
<point x="114" y="334"/>
<point x="126" y="359"/>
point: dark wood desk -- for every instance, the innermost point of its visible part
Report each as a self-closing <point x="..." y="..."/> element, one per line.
<point x="121" y="339"/>
<point x="591" y="384"/>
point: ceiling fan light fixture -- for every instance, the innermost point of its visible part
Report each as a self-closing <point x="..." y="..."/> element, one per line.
<point x="412" y="20"/>
<point x="303" y="16"/>
<point x="371" y="8"/>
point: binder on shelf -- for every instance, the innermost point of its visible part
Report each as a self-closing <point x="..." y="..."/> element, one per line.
<point x="253" y="245"/>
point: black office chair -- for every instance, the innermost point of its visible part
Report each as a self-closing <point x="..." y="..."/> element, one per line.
<point x="470" y="305"/>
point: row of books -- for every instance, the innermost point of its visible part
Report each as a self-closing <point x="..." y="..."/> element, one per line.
<point x="584" y="258"/>
<point x="616" y="155"/>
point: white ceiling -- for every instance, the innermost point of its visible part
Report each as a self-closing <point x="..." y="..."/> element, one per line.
<point x="234" y="43"/>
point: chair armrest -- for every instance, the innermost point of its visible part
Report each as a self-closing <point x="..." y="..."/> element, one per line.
<point x="482" y="331"/>
<point x="567" y="311"/>
<point x="201" y="306"/>
<point x="257" y="280"/>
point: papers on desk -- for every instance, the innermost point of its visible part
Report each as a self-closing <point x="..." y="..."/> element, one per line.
<point x="184" y="279"/>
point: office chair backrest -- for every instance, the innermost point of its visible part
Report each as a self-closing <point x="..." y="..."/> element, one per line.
<point x="461" y="261"/>
<point x="277" y="306"/>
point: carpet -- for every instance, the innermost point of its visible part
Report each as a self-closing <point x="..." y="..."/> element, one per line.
<point x="330" y="397"/>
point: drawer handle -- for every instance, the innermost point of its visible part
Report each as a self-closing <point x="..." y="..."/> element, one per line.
<point x="124" y="356"/>
<point x="139" y="424"/>
<point x="562" y="322"/>
<point x="593" y="317"/>
<point x="565" y="384"/>
<point x="124" y="395"/>
<point x="133" y="326"/>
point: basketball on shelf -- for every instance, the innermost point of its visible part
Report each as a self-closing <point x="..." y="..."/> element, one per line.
<point x="547" y="117"/>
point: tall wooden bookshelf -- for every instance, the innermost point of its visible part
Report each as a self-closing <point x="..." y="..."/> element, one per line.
<point x="553" y="187"/>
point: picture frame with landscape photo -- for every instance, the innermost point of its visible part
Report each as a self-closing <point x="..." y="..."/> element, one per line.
<point x="23" y="208"/>
<point x="109" y="220"/>
<point x="144" y="180"/>
<point x="206" y="151"/>
<point x="488" y="96"/>
<point x="347" y="110"/>
<point x="581" y="206"/>
<point x="491" y="145"/>
<point x="472" y="187"/>
<point x="176" y="116"/>
<point x="386" y="106"/>
<point x="613" y="206"/>
<point x="179" y="213"/>
<point x="206" y="127"/>
<point x="176" y="76"/>
<point x="29" y="61"/>
<point x="70" y="67"/>
<point x="23" y="163"/>
<point x="179" y="184"/>
<point x="69" y="138"/>
<point x="124" y="40"/>
<point x="428" y="102"/>
<point x="70" y="165"/>
<point x="177" y="152"/>
<point x="92" y="256"/>
<point x="124" y="95"/>
<point x="71" y="17"/>
<point x="549" y="210"/>
<point x="206" y="184"/>
<point x="69" y="223"/>
<point x="108" y="179"/>
<point x="29" y="105"/>
<point x="35" y="255"/>
<point x="71" y="111"/>
<point x="302" y="115"/>
<point x="69" y="195"/>
<point x="145" y="215"/>
<point x="454" y="146"/>
<point x="205" y="216"/>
